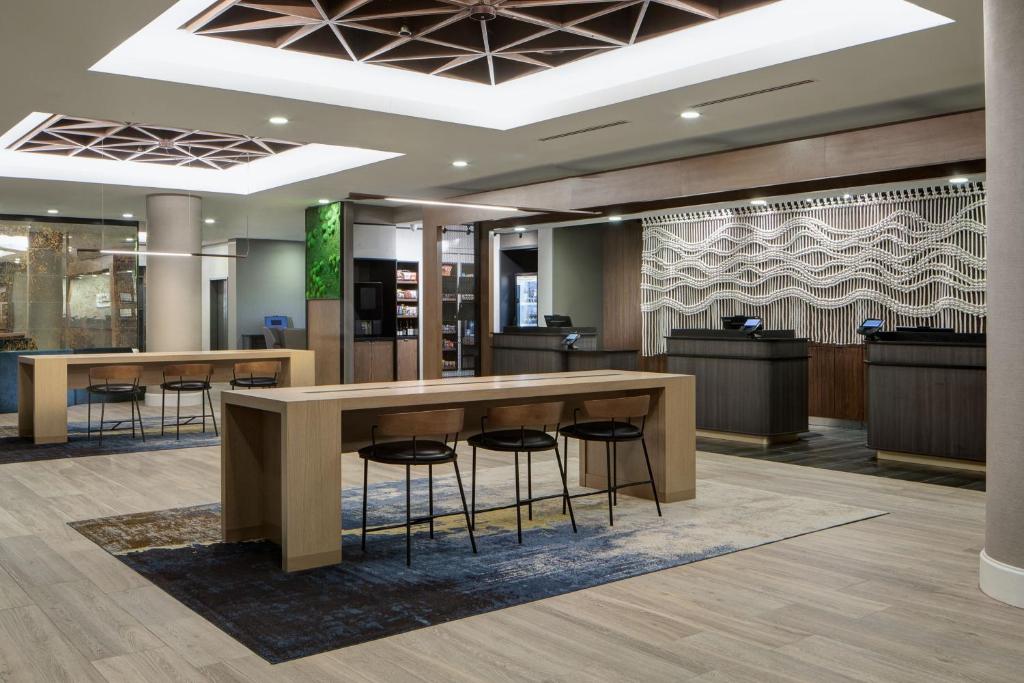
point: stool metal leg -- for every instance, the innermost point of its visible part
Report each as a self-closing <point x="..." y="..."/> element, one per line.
<point x="465" y="511"/>
<point x="131" y="405"/>
<point x="529" y="484"/>
<point x="103" y="415"/>
<point x="366" y="471"/>
<point x="213" y="417"/>
<point x="608" y="478"/>
<point x="138" y="409"/>
<point x="519" y="505"/>
<point x="177" y="425"/>
<point x="566" y="464"/>
<point x="472" y="508"/>
<point x="202" y="404"/>
<point x="650" y="473"/>
<point x="615" y="472"/>
<point x="430" y="496"/>
<point x="163" y="408"/>
<point x="88" y="419"/>
<point x="408" y="519"/>
<point x="565" y="489"/>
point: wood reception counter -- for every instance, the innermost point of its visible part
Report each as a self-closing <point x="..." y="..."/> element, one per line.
<point x="748" y="389"/>
<point x="541" y="349"/>
<point x="926" y="399"/>
<point x="281" y="448"/>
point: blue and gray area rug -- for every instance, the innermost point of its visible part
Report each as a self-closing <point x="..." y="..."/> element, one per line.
<point x="240" y="587"/>
<point x="14" y="448"/>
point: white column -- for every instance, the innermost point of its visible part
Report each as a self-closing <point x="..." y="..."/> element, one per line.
<point x="1002" y="560"/>
<point x="173" y="283"/>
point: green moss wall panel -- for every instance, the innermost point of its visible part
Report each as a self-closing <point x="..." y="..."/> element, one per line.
<point x="323" y="251"/>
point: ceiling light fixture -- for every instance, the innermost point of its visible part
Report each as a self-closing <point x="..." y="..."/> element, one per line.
<point x="847" y="196"/>
<point x="127" y="215"/>
<point x="615" y="219"/>
<point x="959" y="180"/>
<point x="137" y="252"/>
<point x="52" y="212"/>
<point x="759" y="202"/>
<point x="459" y="163"/>
<point x="210" y="221"/>
<point x="278" y="120"/>
<point x="690" y="114"/>
<point x="323" y="201"/>
<point x="359" y="196"/>
<point x="519" y="228"/>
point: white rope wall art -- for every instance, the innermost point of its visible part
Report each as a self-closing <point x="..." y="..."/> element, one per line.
<point x="912" y="257"/>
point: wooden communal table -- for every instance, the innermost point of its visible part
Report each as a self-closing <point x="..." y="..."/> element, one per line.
<point x="44" y="381"/>
<point x="281" y="448"/>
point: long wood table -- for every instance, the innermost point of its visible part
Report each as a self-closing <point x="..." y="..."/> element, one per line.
<point x="43" y="381"/>
<point x="281" y="448"/>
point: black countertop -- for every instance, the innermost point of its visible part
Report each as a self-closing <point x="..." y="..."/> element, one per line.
<point x="736" y="335"/>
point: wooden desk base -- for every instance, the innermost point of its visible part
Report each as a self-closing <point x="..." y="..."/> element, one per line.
<point x="755" y="439"/>
<point x="931" y="461"/>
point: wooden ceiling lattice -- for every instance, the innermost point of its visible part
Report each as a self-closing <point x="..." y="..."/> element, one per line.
<point x="486" y="42"/>
<point x="73" y="136"/>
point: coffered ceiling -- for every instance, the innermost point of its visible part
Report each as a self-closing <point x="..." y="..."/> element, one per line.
<point x="489" y="41"/>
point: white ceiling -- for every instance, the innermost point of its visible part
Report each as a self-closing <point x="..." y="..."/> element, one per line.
<point x="47" y="50"/>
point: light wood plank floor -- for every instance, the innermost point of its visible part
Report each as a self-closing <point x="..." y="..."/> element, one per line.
<point x="889" y="599"/>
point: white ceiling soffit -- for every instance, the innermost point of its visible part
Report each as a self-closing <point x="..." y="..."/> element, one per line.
<point x="755" y="39"/>
<point x="292" y="166"/>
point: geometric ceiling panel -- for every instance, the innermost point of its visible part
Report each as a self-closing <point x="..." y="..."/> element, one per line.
<point x="73" y="136"/>
<point x="486" y="42"/>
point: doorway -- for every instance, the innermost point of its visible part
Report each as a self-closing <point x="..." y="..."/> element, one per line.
<point x="218" y="315"/>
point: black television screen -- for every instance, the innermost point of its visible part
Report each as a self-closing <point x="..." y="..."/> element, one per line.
<point x="369" y="300"/>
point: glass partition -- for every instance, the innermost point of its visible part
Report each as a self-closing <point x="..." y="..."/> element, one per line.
<point x="58" y="291"/>
<point x="459" y="348"/>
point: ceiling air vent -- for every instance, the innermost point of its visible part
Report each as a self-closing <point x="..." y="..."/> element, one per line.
<point x="591" y="129"/>
<point x="765" y="91"/>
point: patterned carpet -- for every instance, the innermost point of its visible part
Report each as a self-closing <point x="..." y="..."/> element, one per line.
<point x="240" y="587"/>
<point x="14" y="448"/>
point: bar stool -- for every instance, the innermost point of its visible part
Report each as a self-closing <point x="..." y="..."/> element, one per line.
<point x="614" y="424"/>
<point x="517" y="438"/>
<point x="255" y="375"/>
<point x="109" y="381"/>
<point x="190" y="378"/>
<point x="415" y="453"/>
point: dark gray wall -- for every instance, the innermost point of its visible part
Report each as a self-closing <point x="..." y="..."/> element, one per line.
<point x="578" y="274"/>
<point x="270" y="281"/>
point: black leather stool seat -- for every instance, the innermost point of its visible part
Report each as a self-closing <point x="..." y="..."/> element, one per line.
<point x="186" y="385"/>
<point x="602" y="431"/>
<point x="401" y="453"/>
<point x="514" y="440"/>
<point x="111" y="388"/>
<point x="254" y="382"/>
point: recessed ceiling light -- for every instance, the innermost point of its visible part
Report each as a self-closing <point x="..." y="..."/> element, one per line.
<point x="959" y="180"/>
<point x="127" y="215"/>
<point x="52" y="211"/>
<point x="460" y="163"/>
<point x="615" y="219"/>
<point x="847" y="196"/>
<point x="690" y="114"/>
<point x="278" y="120"/>
<point x="323" y="201"/>
<point x="759" y="202"/>
<point x="210" y="221"/>
<point x="519" y="228"/>
<point x="809" y="200"/>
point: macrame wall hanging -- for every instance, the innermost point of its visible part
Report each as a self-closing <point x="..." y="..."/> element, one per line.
<point x="912" y="257"/>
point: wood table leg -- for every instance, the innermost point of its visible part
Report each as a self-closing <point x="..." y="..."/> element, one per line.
<point x="671" y="440"/>
<point x="310" y="486"/>
<point x="250" y="473"/>
<point x="47" y="391"/>
<point x="26" y="389"/>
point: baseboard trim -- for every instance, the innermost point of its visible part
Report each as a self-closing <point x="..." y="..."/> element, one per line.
<point x="931" y="461"/>
<point x="1001" y="581"/>
<point x="835" y="422"/>
<point x="754" y="439"/>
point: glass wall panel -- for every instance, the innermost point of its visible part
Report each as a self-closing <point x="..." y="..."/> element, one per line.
<point x="57" y="291"/>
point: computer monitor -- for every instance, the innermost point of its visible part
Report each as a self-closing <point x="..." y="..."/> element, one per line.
<point x="734" y="322"/>
<point x="870" y="327"/>
<point x="277" y="321"/>
<point x="558" y="321"/>
<point x="752" y="325"/>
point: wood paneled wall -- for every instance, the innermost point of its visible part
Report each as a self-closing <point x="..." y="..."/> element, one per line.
<point x="623" y="247"/>
<point x="837" y="382"/>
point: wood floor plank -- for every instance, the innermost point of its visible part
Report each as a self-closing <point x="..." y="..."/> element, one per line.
<point x="33" y="649"/>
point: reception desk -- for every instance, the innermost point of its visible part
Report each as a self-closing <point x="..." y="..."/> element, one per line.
<point x="751" y="390"/>
<point x="540" y="349"/>
<point x="926" y="399"/>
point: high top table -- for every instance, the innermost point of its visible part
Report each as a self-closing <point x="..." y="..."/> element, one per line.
<point x="43" y="381"/>
<point x="281" y="448"/>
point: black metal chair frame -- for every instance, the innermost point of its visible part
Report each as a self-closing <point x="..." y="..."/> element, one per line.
<point x="165" y="386"/>
<point x="107" y="389"/>
<point x="409" y="519"/>
<point x="529" y="500"/>
<point x="236" y="384"/>
<point x="612" y="461"/>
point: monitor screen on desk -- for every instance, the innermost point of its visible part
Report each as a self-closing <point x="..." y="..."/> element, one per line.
<point x="276" y="321"/>
<point x="751" y="325"/>
<point x="871" y="326"/>
<point x="558" y="321"/>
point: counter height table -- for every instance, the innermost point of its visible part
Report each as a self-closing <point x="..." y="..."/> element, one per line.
<point x="281" y="448"/>
<point x="43" y="381"/>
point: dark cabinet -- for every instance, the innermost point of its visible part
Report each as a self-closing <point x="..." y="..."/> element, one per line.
<point x="407" y="361"/>
<point x="374" y="361"/>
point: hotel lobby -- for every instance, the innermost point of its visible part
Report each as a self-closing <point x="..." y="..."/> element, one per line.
<point x="511" y="340"/>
